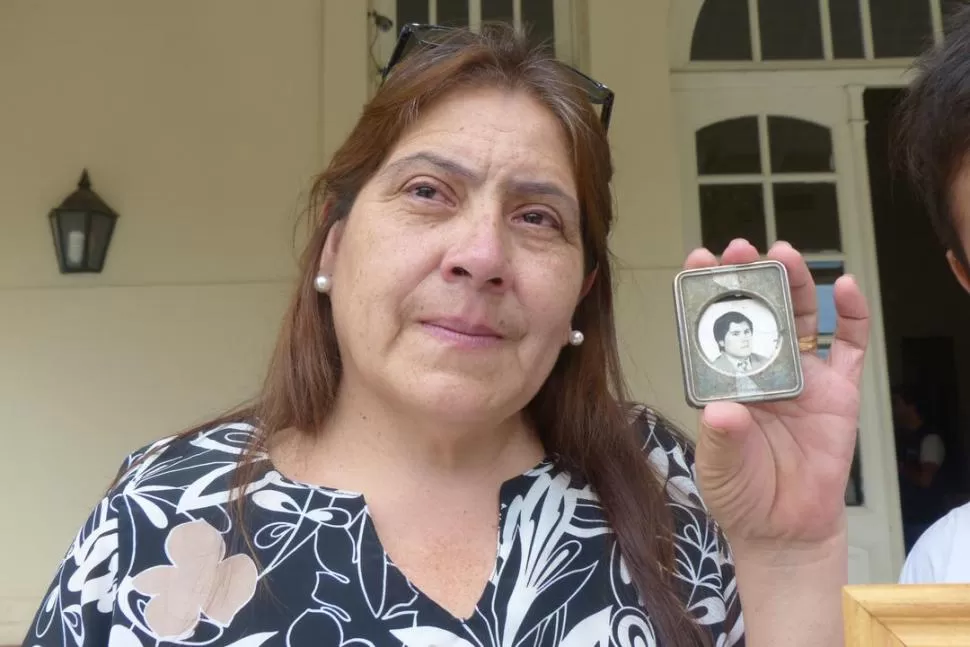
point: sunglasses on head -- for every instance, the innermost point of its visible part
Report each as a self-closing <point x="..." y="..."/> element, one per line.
<point x="414" y="35"/>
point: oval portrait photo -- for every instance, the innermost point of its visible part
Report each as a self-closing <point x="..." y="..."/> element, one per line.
<point x="738" y="335"/>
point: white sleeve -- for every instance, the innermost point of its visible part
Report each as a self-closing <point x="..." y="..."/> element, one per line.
<point x="939" y="555"/>
<point x="931" y="450"/>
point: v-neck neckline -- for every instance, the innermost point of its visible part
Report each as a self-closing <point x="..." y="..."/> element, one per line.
<point x="508" y="490"/>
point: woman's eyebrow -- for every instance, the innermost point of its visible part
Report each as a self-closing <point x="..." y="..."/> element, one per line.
<point x="540" y="188"/>
<point x="434" y="159"/>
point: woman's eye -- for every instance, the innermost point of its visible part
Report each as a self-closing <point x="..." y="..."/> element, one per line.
<point x="538" y="218"/>
<point x="424" y="191"/>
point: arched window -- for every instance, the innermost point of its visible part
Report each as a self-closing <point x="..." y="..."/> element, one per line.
<point x="815" y="30"/>
<point x="767" y="178"/>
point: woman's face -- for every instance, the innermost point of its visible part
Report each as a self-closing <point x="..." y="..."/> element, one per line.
<point x="457" y="272"/>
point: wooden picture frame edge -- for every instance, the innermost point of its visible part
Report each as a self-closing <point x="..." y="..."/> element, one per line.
<point x="906" y="615"/>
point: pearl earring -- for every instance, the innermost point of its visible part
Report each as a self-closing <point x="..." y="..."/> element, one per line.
<point x="322" y="283"/>
<point x="576" y="337"/>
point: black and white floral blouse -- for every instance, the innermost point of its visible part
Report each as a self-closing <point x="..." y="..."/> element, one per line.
<point x="156" y="563"/>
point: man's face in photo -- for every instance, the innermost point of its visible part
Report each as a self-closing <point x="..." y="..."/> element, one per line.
<point x="737" y="341"/>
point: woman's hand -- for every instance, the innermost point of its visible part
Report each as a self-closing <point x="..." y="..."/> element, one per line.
<point x="774" y="474"/>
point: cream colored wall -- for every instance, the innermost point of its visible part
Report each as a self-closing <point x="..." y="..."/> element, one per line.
<point x="201" y="124"/>
<point x="628" y="51"/>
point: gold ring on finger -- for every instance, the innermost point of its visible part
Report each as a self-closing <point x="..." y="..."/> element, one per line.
<point x="808" y="344"/>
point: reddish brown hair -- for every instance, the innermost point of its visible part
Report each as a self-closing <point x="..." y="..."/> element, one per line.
<point x="579" y="412"/>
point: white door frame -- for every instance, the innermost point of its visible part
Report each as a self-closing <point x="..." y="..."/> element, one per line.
<point x="877" y="402"/>
<point x="874" y="556"/>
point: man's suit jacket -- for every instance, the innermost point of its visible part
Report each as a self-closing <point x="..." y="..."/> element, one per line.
<point x="728" y="365"/>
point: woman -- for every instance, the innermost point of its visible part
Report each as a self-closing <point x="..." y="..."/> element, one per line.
<point x="451" y="344"/>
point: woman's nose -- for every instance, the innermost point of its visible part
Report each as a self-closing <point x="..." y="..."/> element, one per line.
<point x="480" y="255"/>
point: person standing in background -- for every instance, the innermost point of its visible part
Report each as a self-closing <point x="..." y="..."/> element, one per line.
<point x="920" y="453"/>
<point x="932" y="142"/>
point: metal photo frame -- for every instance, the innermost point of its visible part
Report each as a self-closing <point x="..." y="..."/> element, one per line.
<point x="736" y="330"/>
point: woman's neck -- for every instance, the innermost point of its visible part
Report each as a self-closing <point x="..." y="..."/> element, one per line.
<point x="367" y="443"/>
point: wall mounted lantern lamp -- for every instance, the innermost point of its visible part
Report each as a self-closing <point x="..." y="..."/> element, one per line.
<point x="82" y="226"/>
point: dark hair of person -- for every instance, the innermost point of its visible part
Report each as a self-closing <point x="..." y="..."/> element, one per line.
<point x="931" y="128"/>
<point x="723" y="323"/>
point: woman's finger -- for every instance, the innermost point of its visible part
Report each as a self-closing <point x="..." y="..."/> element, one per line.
<point x="848" y="350"/>
<point x="724" y="429"/>
<point x="739" y="252"/>
<point x="700" y="258"/>
<point x="803" y="296"/>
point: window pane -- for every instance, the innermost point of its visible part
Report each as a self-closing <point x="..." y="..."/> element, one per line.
<point x="100" y="227"/>
<point x="732" y="211"/>
<point x="790" y="30"/>
<point x="729" y="147"/>
<point x="453" y="13"/>
<point x="411" y="11"/>
<point x="73" y="228"/>
<point x="846" y="29"/>
<point x="807" y="216"/>
<point x="498" y="11"/>
<point x="799" y="146"/>
<point x="539" y="21"/>
<point x="722" y="32"/>
<point x="825" y="273"/>
<point x="900" y="28"/>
